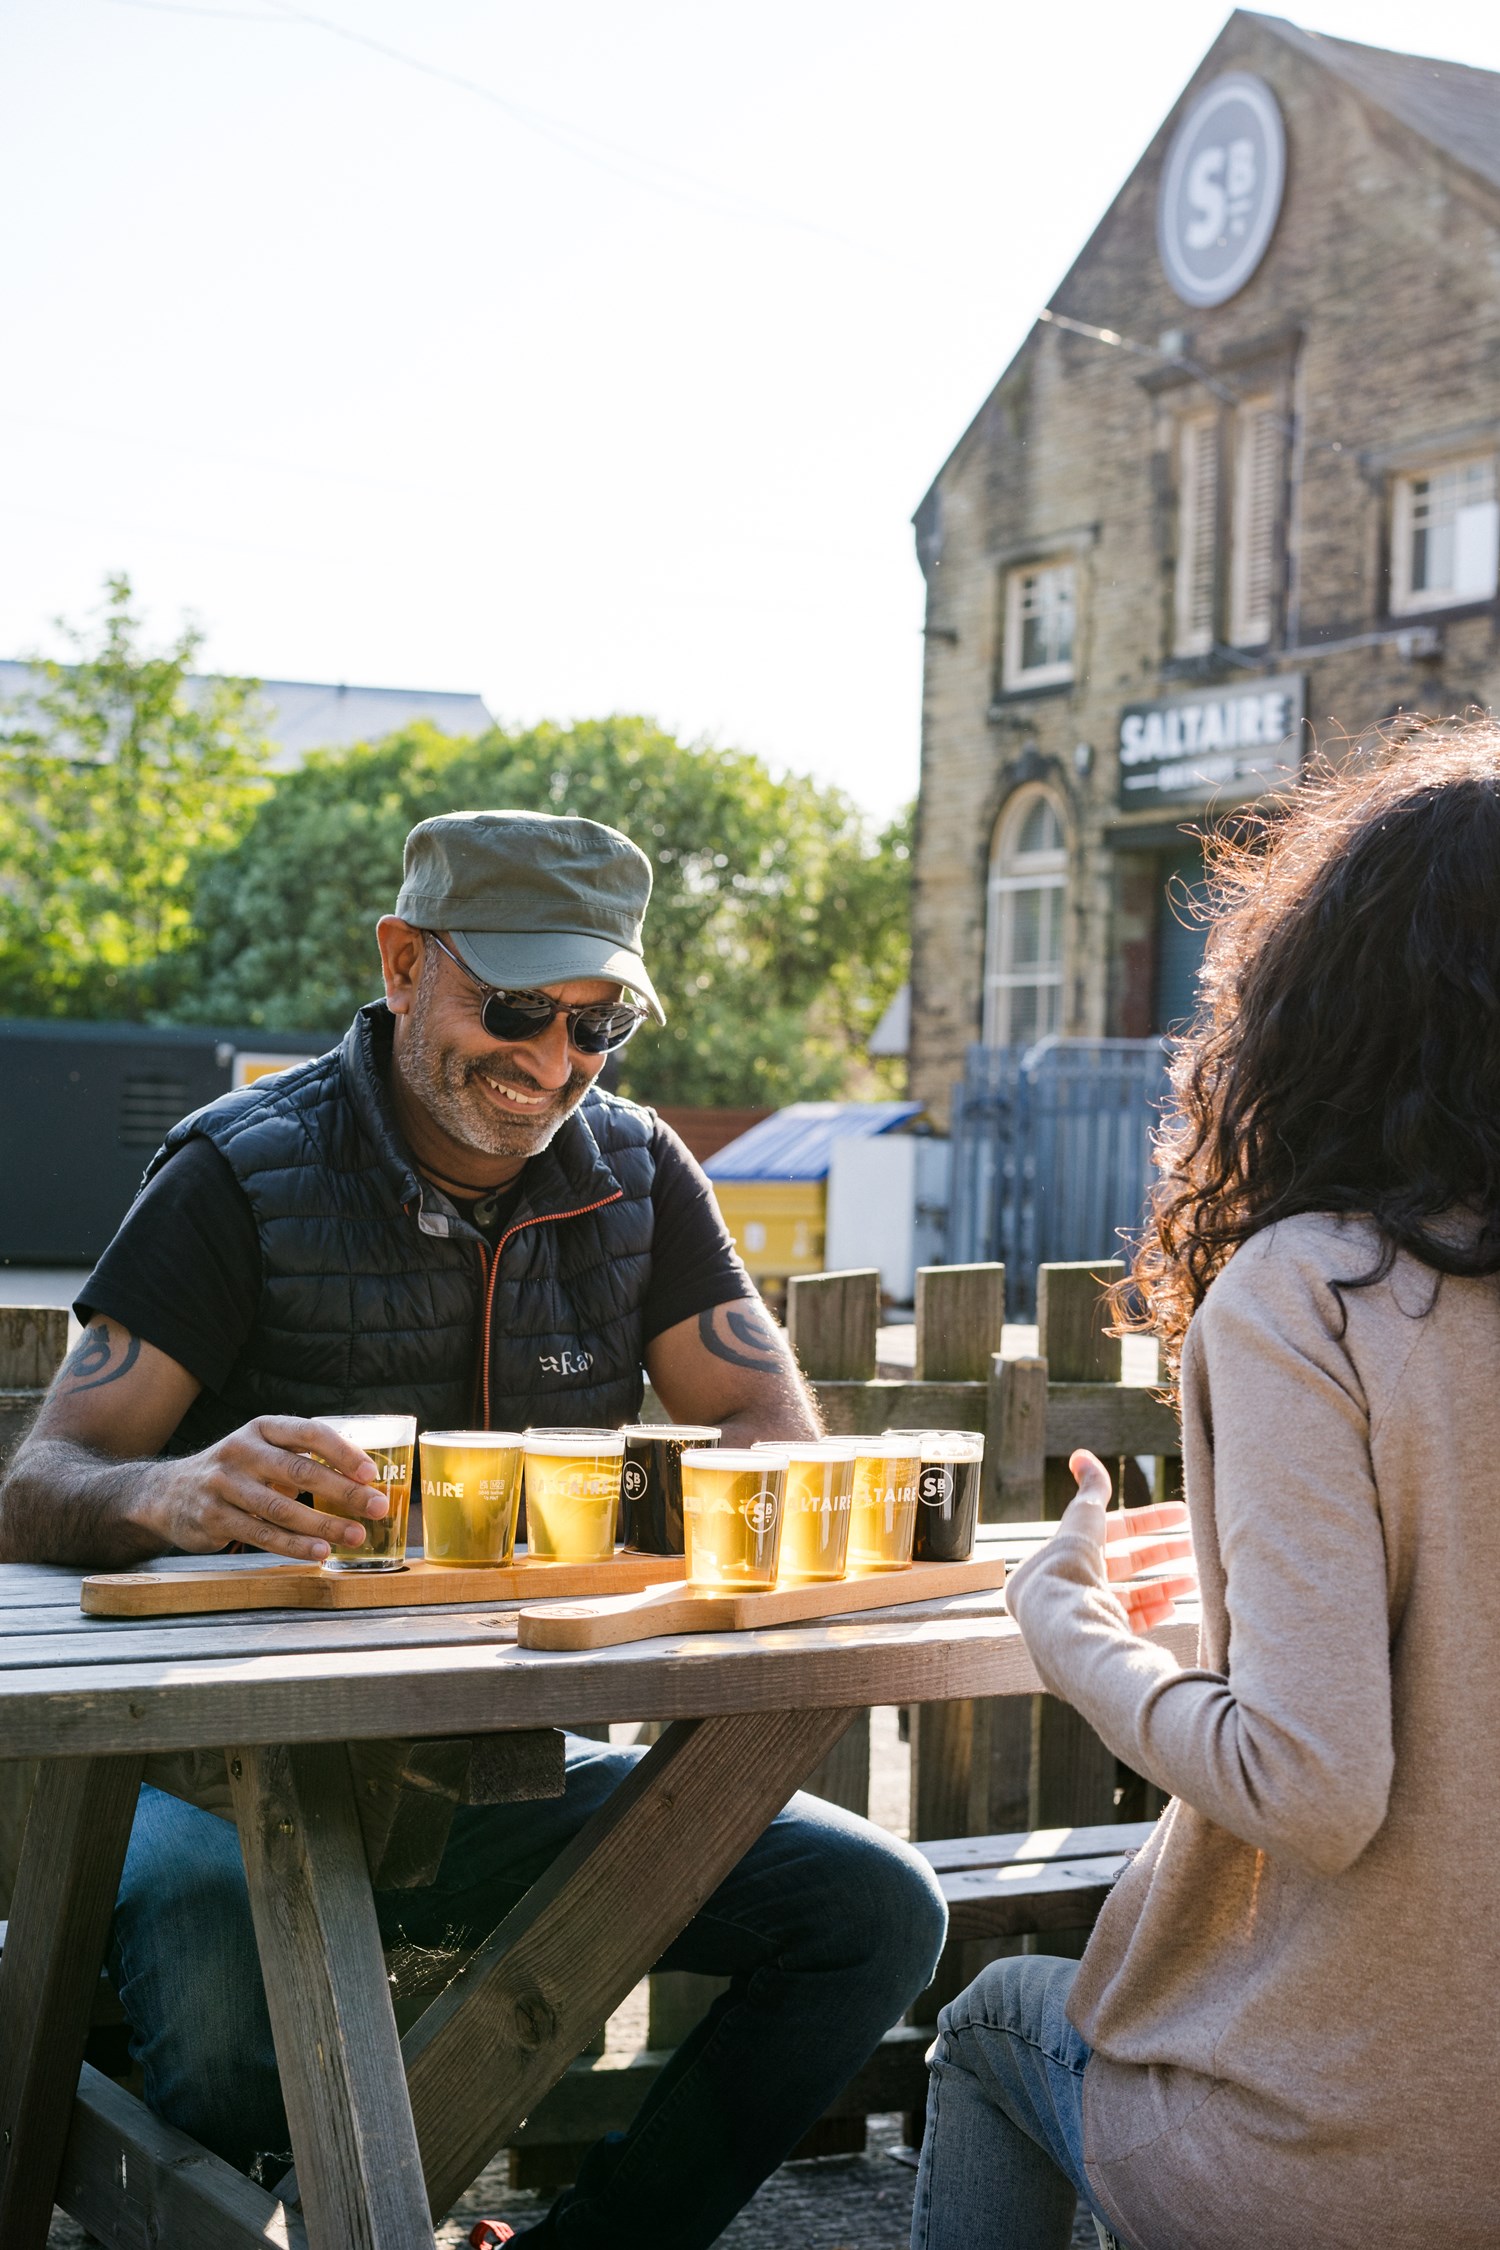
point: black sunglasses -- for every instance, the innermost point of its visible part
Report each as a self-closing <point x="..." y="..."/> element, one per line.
<point x="597" y="1028"/>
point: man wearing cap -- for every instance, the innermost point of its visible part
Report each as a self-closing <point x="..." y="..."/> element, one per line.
<point x="446" y="1216"/>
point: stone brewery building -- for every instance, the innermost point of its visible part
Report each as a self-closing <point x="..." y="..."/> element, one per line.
<point x="1235" y="493"/>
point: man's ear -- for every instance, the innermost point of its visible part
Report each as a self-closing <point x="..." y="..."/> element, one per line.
<point x="402" y="949"/>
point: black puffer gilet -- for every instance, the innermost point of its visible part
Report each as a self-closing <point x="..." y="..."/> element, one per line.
<point x="376" y="1296"/>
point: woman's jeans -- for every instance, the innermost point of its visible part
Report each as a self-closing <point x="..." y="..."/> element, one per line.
<point x="828" y="1929"/>
<point x="1002" y="2159"/>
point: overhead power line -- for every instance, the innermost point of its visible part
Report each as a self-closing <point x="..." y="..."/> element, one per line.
<point x="658" y="176"/>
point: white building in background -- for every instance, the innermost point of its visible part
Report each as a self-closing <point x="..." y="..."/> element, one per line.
<point x="318" y="715"/>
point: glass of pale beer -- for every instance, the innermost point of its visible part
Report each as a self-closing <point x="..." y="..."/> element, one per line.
<point x="471" y="1495"/>
<point x="732" y="1515"/>
<point x="883" y="1515"/>
<point x="389" y="1440"/>
<point x="817" y="1507"/>
<point x="948" y="1494"/>
<point x="572" y="1493"/>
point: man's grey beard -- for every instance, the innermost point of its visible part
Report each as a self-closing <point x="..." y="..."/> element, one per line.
<point x="441" y="1079"/>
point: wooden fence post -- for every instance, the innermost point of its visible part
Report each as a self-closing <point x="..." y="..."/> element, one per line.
<point x="1018" y="1440"/>
<point x="1073" y="1775"/>
<point x="1070" y="1321"/>
<point x="960" y="1314"/>
<point x="33" y="1345"/>
<point x="831" y="1320"/>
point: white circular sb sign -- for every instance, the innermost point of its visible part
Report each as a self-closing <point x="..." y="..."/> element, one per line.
<point x="1221" y="189"/>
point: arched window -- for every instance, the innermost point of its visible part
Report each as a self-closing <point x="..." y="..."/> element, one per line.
<point x="1023" y="969"/>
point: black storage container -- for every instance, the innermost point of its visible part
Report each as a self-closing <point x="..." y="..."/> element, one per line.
<point x="84" y="1106"/>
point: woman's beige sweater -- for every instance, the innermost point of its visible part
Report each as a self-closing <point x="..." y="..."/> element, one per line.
<point x="1293" y="1995"/>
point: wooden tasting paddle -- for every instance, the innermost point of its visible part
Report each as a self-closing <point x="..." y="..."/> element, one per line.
<point x="187" y="1593"/>
<point x="680" y="1609"/>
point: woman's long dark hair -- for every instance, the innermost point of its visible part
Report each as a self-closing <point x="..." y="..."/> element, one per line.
<point x="1346" y="1051"/>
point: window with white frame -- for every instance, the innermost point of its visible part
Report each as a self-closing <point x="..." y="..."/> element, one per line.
<point x="1445" y="535"/>
<point x="1023" y="979"/>
<point x="1041" y="615"/>
<point x="1197" y="534"/>
<point x="1257" y="507"/>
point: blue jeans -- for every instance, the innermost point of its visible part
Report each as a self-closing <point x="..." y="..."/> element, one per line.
<point x="1002" y="2157"/>
<point x="828" y="1928"/>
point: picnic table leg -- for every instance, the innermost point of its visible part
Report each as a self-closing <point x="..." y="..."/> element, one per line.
<point x="610" y="1904"/>
<point x="358" y="2169"/>
<point x="74" y="1847"/>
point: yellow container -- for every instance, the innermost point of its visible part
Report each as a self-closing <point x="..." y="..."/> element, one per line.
<point x="778" y="1225"/>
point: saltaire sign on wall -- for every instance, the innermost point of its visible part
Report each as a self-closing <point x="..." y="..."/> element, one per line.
<point x="1221" y="189"/>
<point x="1224" y="744"/>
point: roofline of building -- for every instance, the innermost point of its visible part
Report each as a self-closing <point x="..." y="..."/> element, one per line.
<point x="266" y="680"/>
<point x="1314" y="46"/>
<point x="345" y="687"/>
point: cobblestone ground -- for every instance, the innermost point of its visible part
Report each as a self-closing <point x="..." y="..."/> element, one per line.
<point x="832" y="2203"/>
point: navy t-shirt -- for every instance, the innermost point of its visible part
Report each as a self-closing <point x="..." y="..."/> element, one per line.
<point x="183" y="1272"/>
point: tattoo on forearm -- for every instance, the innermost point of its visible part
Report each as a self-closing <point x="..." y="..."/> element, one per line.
<point x="742" y="1336"/>
<point x="87" y="1367"/>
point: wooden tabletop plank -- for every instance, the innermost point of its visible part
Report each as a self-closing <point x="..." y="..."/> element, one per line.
<point x="99" y="1633"/>
<point x="369" y="1695"/>
<point x="68" y="1639"/>
<point x="162" y="1639"/>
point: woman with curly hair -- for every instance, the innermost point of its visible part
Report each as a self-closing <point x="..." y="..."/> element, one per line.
<point x="1285" y="2031"/>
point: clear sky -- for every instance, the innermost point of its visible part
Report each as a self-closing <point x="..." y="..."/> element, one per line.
<point x="605" y="380"/>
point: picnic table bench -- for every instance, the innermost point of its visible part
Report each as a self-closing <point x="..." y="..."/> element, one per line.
<point x="389" y="2131"/>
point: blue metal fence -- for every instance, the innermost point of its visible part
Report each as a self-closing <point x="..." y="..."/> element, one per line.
<point x="1051" y="1152"/>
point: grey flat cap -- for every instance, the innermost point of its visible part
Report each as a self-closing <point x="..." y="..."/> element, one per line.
<point x="532" y="898"/>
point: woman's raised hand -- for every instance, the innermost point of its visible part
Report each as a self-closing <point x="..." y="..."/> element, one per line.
<point x="1135" y="1540"/>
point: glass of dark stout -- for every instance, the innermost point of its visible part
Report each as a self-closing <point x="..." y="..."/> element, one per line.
<point x="947" y="1492"/>
<point x="651" y="1484"/>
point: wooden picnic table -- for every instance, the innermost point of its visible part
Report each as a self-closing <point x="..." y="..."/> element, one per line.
<point x="388" y="2132"/>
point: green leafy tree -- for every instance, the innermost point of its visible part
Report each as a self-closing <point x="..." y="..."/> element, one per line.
<point x="777" y="931"/>
<point x="116" y="776"/>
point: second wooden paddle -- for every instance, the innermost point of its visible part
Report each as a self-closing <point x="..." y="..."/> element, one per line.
<point x="681" y="1609"/>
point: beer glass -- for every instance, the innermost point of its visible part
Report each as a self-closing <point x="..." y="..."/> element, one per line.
<point x="471" y="1495"/>
<point x="651" y="1484"/>
<point x="731" y="1513"/>
<point x="388" y="1439"/>
<point x="948" y="1495"/>
<point x="816" y="1509"/>
<point x="883" y="1516"/>
<point x="572" y="1493"/>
